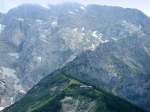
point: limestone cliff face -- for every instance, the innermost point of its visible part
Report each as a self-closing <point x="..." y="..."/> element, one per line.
<point x="35" y="41"/>
<point x="120" y="67"/>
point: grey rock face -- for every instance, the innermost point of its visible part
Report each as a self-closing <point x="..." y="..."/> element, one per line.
<point x="34" y="41"/>
<point x="34" y="46"/>
<point x="120" y="67"/>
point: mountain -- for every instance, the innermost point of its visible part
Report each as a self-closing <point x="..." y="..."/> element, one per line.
<point x="59" y="92"/>
<point x="81" y="85"/>
<point x="33" y="45"/>
<point x="35" y="41"/>
<point x="120" y="67"/>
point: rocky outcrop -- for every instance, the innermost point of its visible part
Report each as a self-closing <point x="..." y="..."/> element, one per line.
<point x="35" y="41"/>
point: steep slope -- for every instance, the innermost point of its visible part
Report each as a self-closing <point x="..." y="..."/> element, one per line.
<point x="59" y="92"/>
<point x="120" y="67"/>
<point x="33" y="45"/>
<point x="35" y="41"/>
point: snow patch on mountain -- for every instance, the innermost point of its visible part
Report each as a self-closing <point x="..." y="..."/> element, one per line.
<point x="2" y="27"/>
<point x="93" y="47"/>
<point x="99" y="36"/>
<point x="43" y="38"/>
<point x="82" y="7"/>
<point x="94" y="34"/>
<point x="16" y="55"/>
<point x="83" y="29"/>
<point x="20" y="19"/>
<point x="71" y="58"/>
<point x="54" y="24"/>
<point x="39" y="21"/>
<point x="115" y="39"/>
<point x="39" y="59"/>
<point x="1" y="108"/>
<point x="71" y="12"/>
<point x="19" y="88"/>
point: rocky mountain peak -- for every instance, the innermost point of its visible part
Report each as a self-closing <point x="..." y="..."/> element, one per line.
<point x="35" y="41"/>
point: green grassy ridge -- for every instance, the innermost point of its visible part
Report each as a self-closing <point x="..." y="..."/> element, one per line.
<point x="40" y="99"/>
<point x="109" y="95"/>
